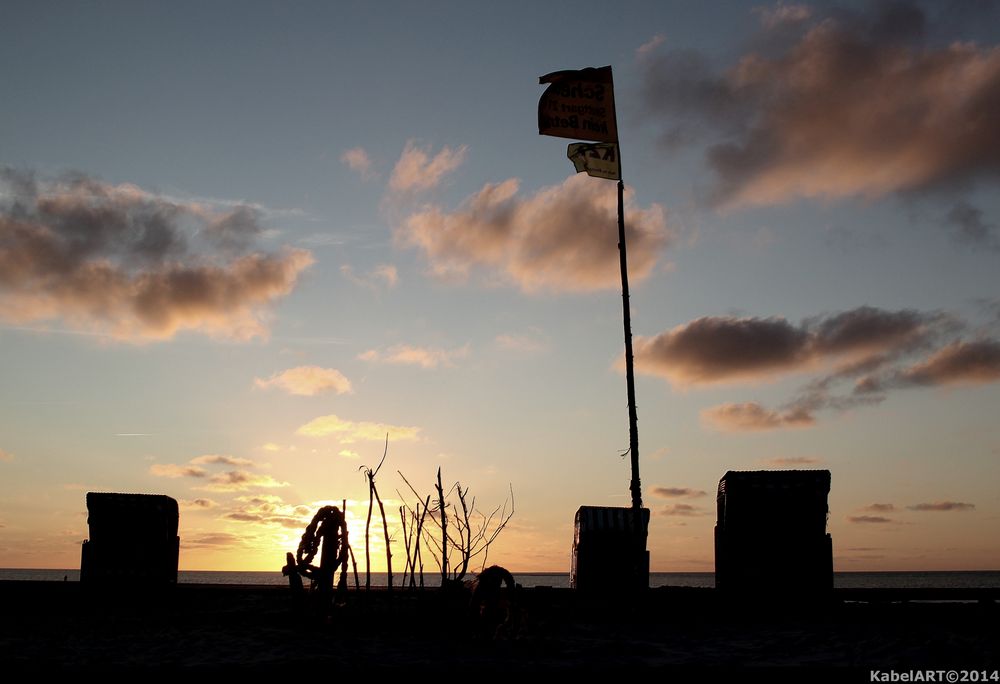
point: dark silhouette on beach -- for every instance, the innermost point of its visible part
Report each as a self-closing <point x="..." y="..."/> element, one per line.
<point x="492" y="607"/>
<point x="609" y="549"/>
<point x="133" y="540"/>
<point x="326" y="531"/>
<point x="770" y="537"/>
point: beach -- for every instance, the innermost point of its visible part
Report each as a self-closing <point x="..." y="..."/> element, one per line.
<point x="63" y="626"/>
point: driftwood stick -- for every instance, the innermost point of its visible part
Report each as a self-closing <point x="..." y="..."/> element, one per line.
<point x="406" y="543"/>
<point x="385" y="528"/>
<point x="444" y="528"/>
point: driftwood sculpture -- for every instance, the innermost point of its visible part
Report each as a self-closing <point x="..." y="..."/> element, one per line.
<point x="328" y="530"/>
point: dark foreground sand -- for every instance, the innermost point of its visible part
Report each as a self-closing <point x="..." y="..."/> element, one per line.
<point x="56" y="626"/>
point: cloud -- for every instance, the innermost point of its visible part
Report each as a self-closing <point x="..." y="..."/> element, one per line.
<point x="684" y="510"/>
<point x="940" y="506"/>
<point x="387" y="273"/>
<point x="384" y="275"/>
<point x="969" y="227"/>
<point x="527" y="344"/>
<point x="870" y="347"/>
<point x="712" y="349"/>
<point x="869" y="519"/>
<point x="240" y="480"/>
<point x="781" y="14"/>
<point x="562" y="238"/>
<point x="348" y="432"/>
<point x="425" y="357"/>
<point x="867" y="330"/>
<point x="173" y="470"/>
<point x="958" y="363"/>
<point x="269" y="510"/>
<point x="117" y="260"/>
<point x="880" y="508"/>
<point x="307" y="381"/>
<point x="198" y="504"/>
<point x="650" y="45"/>
<point x="349" y="453"/>
<point x="6" y="456"/>
<point x="220" y="459"/>
<point x="357" y="160"/>
<point x="678" y="492"/>
<point x="854" y="103"/>
<point x="418" y="171"/>
<point x="793" y="461"/>
<point x="725" y="348"/>
<point x="211" y="540"/>
<point x="751" y="416"/>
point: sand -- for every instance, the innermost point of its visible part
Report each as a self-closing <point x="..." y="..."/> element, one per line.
<point x="61" y="626"/>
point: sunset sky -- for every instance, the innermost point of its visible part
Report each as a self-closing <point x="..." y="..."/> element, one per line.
<point x="242" y="241"/>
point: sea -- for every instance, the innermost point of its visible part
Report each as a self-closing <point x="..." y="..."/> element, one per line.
<point x="841" y="580"/>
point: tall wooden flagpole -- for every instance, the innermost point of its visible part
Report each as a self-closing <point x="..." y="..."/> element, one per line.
<point x="633" y="422"/>
<point x="581" y="104"/>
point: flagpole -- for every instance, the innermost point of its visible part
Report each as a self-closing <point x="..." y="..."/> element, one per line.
<point x="633" y="423"/>
<point x="581" y="105"/>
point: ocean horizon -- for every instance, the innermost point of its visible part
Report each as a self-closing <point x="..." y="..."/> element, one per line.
<point x="942" y="579"/>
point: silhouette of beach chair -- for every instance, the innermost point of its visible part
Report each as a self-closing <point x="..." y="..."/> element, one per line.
<point x="770" y="536"/>
<point x="133" y="539"/>
<point x="609" y="549"/>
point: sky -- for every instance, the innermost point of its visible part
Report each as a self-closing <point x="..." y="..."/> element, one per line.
<point x="242" y="242"/>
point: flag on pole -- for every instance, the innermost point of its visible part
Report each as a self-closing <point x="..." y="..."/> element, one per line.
<point x="579" y="104"/>
<point x="599" y="160"/>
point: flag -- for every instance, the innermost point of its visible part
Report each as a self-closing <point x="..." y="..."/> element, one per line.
<point x="579" y="104"/>
<point x="597" y="159"/>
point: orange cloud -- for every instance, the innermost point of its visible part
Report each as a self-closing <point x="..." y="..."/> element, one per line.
<point x="713" y="349"/>
<point x="6" y="455"/>
<point x="357" y="160"/>
<point x="269" y="510"/>
<point x="793" y="461"/>
<point x="528" y="344"/>
<point x="869" y="519"/>
<point x="417" y="170"/>
<point x="669" y="492"/>
<point x="173" y="470"/>
<point x="958" y="363"/>
<point x="751" y="416"/>
<point x="425" y="357"/>
<point x="197" y="504"/>
<point x="221" y="459"/>
<point x="940" y="506"/>
<point x="684" y="510"/>
<point x="240" y="480"/>
<point x="650" y="45"/>
<point x="307" y="381"/>
<point x="347" y="431"/>
<point x="866" y="345"/>
<point x="119" y="261"/>
<point x="212" y="540"/>
<point x="726" y="348"/>
<point x="384" y="274"/>
<point x="854" y="104"/>
<point x="562" y="238"/>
